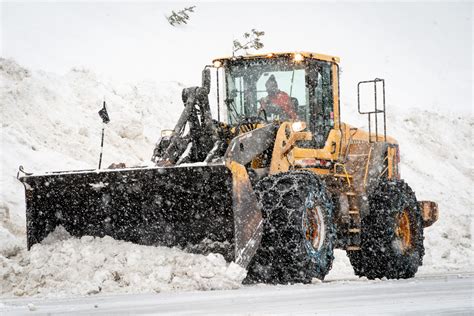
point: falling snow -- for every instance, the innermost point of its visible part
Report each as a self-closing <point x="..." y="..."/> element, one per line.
<point x="49" y="122"/>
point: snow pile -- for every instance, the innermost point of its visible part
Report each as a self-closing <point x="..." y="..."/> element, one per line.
<point x="69" y="266"/>
<point x="50" y="122"/>
<point x="437" y="153"/>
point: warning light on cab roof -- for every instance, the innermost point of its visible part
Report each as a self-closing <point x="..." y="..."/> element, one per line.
<point x="298" y="57"/>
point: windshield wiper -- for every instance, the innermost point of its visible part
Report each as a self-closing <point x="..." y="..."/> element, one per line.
<point x="231" y="108"/>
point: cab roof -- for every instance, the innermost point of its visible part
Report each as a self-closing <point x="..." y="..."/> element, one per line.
<point x="282" y="54"/>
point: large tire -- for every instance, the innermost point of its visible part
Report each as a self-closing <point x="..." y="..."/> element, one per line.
<point x="392" y="233"/>
<point x="298" y="232"/>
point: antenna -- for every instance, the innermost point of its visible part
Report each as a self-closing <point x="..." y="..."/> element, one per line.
<point x="105" y="119"/>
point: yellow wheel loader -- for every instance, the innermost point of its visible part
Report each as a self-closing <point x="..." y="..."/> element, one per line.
<point x="265" y="173"/>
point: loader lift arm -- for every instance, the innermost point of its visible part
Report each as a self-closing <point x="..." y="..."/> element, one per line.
<point x="198" y="141"/>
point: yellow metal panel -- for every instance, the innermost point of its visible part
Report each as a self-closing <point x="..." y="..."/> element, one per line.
<point x="280" y="161"/>
<point x="330" y="151"/>
<point x="294" y="137"/>
<point x="317" y="56"/>
<point x="390" y="155"/>
<point x="319" y="171"/>
<point x="360" y="135"/>
<point x="247" y="215"/>
<point x="285" y="140"/>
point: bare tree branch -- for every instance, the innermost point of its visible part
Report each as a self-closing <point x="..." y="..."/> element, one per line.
<point x="181" y="17"/>
<point x="251" y="40"/>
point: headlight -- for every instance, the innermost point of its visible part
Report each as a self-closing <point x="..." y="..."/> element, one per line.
<point x="298" y="57"/>
<point x="166" y="132"/>
<point x="298" y="126"/>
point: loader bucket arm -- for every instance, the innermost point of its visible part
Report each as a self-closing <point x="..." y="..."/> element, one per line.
<point x="202" y="132"/>
<point x="247" y="215"/>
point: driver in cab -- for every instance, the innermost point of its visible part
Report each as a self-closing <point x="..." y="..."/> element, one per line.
<point x="277" y="102"/>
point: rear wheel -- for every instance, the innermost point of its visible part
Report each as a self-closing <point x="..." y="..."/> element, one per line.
<point x="392" y="234"/>
<point x="299" y="233"/>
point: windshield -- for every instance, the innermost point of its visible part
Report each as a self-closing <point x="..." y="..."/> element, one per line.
<point x="272" y="88"/>
<point x="281" y="89"/>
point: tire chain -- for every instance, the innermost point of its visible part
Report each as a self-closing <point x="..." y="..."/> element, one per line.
<point x="377" y="257"/>
<point x="281" y="258"/>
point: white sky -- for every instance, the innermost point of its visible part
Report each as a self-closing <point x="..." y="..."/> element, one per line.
<point x="423" y="50"/>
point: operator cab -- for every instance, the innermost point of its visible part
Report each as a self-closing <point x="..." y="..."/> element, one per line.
<point x="279" y="87"/>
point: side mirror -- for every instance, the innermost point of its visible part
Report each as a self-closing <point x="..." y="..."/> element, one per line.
<point x="206" y="80"/>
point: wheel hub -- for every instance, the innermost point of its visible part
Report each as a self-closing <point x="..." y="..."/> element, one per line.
<point x="403" y="230"/>
<point x="314" y="227"/>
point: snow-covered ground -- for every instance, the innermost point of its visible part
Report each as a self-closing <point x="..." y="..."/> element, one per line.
<point x="50" y="122"/>
<point x="427" y="295"/>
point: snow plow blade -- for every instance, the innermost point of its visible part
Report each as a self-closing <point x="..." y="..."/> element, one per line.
<point x="205" y="208"/>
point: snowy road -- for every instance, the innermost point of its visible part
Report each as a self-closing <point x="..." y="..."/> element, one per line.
<point x="428" y="294"/>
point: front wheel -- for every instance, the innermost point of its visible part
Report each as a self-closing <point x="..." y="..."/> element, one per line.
<point x="299" y="232"/>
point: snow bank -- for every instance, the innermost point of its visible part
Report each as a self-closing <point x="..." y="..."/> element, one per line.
<point x="69" y="266"/>
<point x="50" y="122"/>
<point x="437" y="153"/>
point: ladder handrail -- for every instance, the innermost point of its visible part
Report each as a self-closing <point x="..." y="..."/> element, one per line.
<point x="376" y="111"/>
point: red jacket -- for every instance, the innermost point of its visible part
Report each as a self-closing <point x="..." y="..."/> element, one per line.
<point x="282" y="100"/>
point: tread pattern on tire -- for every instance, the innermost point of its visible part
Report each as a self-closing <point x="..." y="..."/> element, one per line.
<point x="380" y="255"/>
<point x="283" y="256"/>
